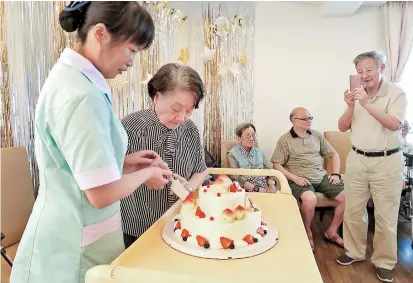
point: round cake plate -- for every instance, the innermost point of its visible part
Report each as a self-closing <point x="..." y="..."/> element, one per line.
<point x="176" y="242"/>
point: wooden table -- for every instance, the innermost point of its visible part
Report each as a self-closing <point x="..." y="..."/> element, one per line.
<point x="150" y="259"/>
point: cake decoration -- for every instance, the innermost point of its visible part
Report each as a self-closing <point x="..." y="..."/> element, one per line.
<point x="249" y="239"/>
<point x="228" y="216"/>
<point x="227" y="243"/>
<point x="233" y="188"/>
<point x="261" y="232"/>
<point x="185" y="234"/>
<point x="199" y="213"/>
<point x="188" y="203"/>
<point x="239" y="212"/>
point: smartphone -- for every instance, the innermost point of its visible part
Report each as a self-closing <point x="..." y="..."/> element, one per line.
<point x="355" y="82"/>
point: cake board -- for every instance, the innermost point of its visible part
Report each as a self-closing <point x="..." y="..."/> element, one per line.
<point x="174" y="241"/>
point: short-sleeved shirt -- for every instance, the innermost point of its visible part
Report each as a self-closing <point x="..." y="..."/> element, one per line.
<point x="303" y="156"/>
<point x="367" y="133"/>
<point x="180" y="148"/>
<point x="80" y="144"/>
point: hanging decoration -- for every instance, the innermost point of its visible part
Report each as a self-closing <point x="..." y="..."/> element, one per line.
<point x="221" y="27"/>
<point x="168" y="11"/>
<point x="208" y="54"/>
<point x="238" y="22"/>
<point x="235" y="69"/>
<point x="184" y="57"/>
<point x="243" y="59"/>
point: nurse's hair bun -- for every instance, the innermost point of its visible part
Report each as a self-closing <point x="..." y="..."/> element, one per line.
<point x="73" y="15"/>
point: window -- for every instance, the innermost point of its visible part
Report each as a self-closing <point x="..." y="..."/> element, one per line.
<point x="407" y="83"/>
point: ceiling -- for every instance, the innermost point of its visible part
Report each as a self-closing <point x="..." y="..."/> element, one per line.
<point x="341" y="8"/>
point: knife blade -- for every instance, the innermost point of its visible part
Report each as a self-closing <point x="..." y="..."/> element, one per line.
<point x="179" y="189"/>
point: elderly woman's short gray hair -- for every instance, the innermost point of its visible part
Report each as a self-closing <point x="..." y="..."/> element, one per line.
<point x="380" y="57"/>
<point x="241" y="128"/>
<point x="174" y="75"/>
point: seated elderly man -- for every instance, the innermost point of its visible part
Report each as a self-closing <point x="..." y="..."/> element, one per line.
<point x="300" y="155"/>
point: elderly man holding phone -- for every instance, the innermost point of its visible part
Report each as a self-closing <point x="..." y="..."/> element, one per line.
<point x="375" y="114"/>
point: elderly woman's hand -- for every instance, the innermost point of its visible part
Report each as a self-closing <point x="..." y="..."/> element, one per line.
<point x="158" y="162"/>
<point x="184" y="182"/>
<point x="159" y="178"/>
<point x="272" y="188"/>
<point x="263" y="190"/>
<point x="140" y="160"/>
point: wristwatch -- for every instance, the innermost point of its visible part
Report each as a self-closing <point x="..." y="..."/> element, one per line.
<point x="336" y="174"/>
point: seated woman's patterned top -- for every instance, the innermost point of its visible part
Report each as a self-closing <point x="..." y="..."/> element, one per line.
<point x="239" y="157"/>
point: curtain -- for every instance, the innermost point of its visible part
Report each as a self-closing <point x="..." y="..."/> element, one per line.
<point x="398" y="35"/>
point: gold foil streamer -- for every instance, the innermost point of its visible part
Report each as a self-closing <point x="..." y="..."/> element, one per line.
<point x="229" y="29"/>
<point x="212" y="80"/>
<point x="6" y="131"/>
<point x="237" y="53"/>
<point x="30" y="57"/>
<point x="61" y="39"/>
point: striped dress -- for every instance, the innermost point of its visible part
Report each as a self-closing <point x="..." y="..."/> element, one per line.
<point x="180" y="148"/>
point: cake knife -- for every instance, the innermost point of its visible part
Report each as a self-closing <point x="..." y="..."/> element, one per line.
<point x="179" y="189"/>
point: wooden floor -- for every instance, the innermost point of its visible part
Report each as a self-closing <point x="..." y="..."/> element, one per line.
<point x="326" y="255"/>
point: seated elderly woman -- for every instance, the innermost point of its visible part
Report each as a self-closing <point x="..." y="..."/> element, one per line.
<point x="246" y="156"/>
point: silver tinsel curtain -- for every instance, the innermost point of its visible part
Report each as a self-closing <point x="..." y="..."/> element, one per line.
<point x="214" y="38"/>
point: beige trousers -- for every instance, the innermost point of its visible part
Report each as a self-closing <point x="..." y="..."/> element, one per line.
<point x="383" y="175"/>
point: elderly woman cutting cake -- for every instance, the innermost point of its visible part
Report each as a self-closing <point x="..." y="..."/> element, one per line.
<point x="246" y="156"/>
<point x="175" y="90"/>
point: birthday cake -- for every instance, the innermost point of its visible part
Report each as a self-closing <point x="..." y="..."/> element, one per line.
<point x="223" y="217"/>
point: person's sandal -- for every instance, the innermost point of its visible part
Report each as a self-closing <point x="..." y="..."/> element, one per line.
<point x="334" y="240"/>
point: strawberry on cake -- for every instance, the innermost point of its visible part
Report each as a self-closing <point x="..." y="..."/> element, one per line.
<point x="223" y="217"/>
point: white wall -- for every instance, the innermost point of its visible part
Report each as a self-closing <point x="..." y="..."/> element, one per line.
<point x="303" y="59"/>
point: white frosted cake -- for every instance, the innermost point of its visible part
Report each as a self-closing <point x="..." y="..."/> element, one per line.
<point x="223" y="217"/>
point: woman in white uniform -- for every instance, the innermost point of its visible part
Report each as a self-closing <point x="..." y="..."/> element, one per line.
<point x="81" y="146"/>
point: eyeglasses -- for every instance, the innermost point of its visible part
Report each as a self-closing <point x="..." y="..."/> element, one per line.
<point x="305" y="119"/>
<point x="254" y="136"/>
